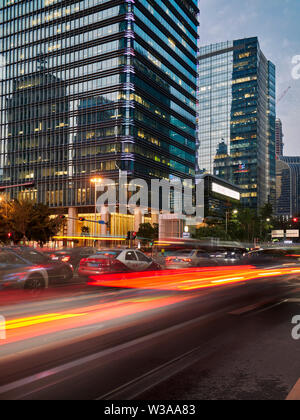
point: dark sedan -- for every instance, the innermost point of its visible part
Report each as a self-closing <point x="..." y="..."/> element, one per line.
<point x="26" y="268"/>
<point x="71" y="256"/>
<point x="273" y="257"/>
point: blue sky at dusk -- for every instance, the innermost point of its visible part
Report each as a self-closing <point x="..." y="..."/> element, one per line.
<point x="277" y="24"/>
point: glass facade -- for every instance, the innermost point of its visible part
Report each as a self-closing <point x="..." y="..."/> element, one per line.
<point x="279" y="137"/>
<point x="90" y="87"/>
<point x="236" y="130"/>
<point x="219" y="197"/>
<point x="288" y="186"/>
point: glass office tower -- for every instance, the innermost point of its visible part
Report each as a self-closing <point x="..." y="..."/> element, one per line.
<point x="236" y="132"/>
<point x="288" y="186"/>
<point x="279" y="145"/>
<point x="93" y="86"/>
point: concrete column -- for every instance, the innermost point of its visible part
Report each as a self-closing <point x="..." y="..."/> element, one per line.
<point x="155" y="217"/>
<point x="138" y="218"/>
<point x="72" y="221"/>
<point x="104" y="218"/>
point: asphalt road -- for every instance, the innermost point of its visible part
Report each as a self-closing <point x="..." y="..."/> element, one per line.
<point x="228" y="338"/>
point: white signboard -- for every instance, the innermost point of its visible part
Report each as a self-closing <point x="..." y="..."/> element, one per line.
<point x="227" y="192"/>
<point x="292" y="233"/>
<point x="186" y="235"/>
<point x="277" y="233"/>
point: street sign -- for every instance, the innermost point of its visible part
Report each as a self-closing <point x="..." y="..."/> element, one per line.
<point x="294" y="233"/>
<point x="186" y="235"/>
<point x="277" y="233"/>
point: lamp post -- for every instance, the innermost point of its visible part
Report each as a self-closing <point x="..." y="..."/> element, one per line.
<point x="95" y="181"/>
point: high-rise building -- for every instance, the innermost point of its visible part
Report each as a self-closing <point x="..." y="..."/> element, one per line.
<point x="236" y="112"/>
<point x="93" y="86"/>
<point x="288" y="186"/>
<point x="279" y="137"/>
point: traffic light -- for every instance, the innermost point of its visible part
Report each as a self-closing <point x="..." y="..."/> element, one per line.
<point x="131" y="236"/>
<point x="9" y="235"/>
<point x="62" y="216"/>
<point x="81" y="219"/>
<point x="296" y="219"/>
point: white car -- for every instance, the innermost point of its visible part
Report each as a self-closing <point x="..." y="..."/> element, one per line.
<point x="116" y="261"/>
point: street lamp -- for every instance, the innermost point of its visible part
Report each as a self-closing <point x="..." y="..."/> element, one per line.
<point x="96" y="180"/>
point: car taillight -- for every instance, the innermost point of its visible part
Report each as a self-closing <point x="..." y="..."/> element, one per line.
<point x="83" y="261"/>
<point x="66" y="258"/>
<point x="186" y="260"/>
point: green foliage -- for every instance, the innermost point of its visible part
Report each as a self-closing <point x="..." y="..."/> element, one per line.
<point x="85" y="230"/>
<point x="41" y="226"/>
<point x="211" y="232"/>
<point x="147" y="232"/>
<point x="246" y="225"/>
<point x="27" y="221"/>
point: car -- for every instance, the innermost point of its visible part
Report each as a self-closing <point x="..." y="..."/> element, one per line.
<point x="273" y="257"/>
<point x="228" y="256"/>
<point x="190" y="258"/>
<point x="116" y="261"/>
<point x="72" y="256"/>
<point x="26" y="268"/>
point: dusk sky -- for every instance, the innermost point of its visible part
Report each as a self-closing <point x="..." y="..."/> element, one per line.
<point x="276" y="23"/>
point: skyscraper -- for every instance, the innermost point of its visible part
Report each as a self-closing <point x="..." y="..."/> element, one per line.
<point x="93" y="86"/>
<point x="279" y="137"/>
<point x="236" y="95"/>
<point x="288" y="186"/>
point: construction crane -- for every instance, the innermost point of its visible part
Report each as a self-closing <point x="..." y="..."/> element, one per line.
<point x="283" y="94"/>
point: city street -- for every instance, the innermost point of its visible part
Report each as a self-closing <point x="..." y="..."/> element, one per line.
<point x="229" y="341"/>
<point x="149" y="202"/>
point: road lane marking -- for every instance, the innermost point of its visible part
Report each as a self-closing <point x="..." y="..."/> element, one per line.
<point x="294" y="395"/>
<point x="269" y="307"/>
<point x="251" y="308"/>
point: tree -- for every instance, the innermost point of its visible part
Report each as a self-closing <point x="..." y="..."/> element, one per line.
<point x="28" y="221"/>
<point x="266" y="212"/>
<point x="217" y="231"/>
<point x="266" y="221"/>
<point x="19" y="217"/>
<point x="4" y="225"/>
<point x="148" y="233"/>
<point x="42" y="226"/>
<point x="85" y="231"/>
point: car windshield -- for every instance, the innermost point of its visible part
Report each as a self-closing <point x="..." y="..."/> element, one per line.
<point x="32" y="256"/>
<point x="9" y="258"/>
